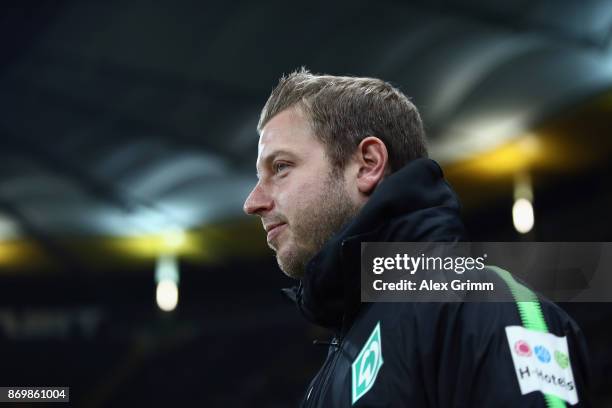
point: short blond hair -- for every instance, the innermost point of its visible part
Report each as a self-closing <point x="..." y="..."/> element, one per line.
<point x="343" y="110"/>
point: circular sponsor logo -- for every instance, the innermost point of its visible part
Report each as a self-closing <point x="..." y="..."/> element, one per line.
<point x="542" y="353"/>
<point x="562" y="359"/>
<point x="522" y="348"/>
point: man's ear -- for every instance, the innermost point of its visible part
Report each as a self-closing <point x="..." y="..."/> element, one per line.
<point x="372" y="159"/>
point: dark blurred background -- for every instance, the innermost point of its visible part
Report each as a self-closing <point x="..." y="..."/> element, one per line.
<point x="128" y="144"/>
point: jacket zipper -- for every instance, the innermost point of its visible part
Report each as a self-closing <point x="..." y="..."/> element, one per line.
<point x="320" y="385"/>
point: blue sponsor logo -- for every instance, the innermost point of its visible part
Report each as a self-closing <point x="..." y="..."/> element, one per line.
<point x="542" y="353"/>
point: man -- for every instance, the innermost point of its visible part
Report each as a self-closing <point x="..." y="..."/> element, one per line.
<point x="341" y="161"/>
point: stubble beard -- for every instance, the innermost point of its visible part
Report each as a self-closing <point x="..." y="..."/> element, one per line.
<point x="324" y="216"/>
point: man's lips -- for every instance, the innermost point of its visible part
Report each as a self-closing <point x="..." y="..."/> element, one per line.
<point x="274" y="229"/>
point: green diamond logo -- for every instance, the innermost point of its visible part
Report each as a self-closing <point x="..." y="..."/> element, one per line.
<point x="367" y="364"/>
<point x="562" y="359"/>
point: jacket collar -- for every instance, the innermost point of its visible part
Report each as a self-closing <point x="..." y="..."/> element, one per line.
<point x="413" y="204"/>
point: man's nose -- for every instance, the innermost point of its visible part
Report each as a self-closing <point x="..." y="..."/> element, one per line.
<point x="257" y="201"/>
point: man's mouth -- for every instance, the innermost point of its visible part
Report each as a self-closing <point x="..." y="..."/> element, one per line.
<point x="274" y="229"/>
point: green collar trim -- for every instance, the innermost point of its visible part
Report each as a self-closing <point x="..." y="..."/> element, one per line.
<point x="530" y="310"/>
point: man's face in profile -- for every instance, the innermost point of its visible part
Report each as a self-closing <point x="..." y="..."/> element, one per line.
<point x="301" y="200"/>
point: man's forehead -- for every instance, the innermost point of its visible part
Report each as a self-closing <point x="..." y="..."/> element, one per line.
<point x="271" y="144"/>
<point x="286" y="123"/>
<point x="286" y="131"/>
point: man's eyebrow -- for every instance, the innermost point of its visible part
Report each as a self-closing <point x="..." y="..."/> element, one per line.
<point x="269" y="158"/>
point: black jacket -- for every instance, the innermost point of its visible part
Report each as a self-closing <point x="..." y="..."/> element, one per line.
<point x="431" y="354"/>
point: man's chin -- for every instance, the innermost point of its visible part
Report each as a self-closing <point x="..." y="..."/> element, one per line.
<point x="290" y="263"/>
<point x="290" y="269"/>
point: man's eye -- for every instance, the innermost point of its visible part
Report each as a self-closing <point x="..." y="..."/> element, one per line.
<point x="278" y="167"/>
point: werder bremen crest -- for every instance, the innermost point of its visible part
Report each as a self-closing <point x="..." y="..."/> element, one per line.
<point x="367" y="364"/>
